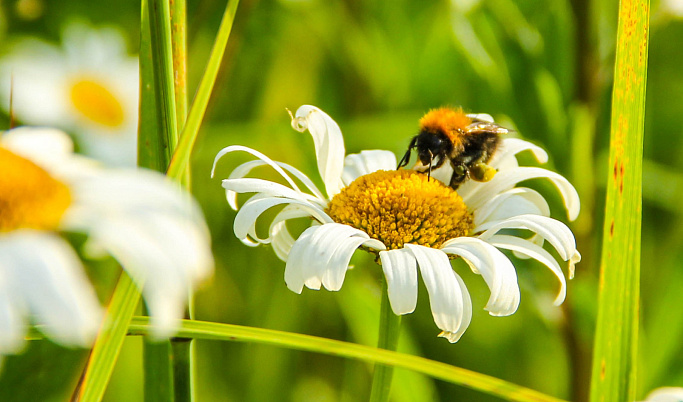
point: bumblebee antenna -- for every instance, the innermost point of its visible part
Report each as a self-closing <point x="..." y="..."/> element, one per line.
<point x="431" y="159"/>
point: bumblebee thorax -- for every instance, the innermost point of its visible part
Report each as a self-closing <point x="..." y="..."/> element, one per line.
<point x="452" y="122"/>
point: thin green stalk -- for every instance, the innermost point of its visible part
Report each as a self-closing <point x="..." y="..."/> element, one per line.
<point x="181" y="157"/>
<point x="108" y="344"/>
<point x="616" y="339"/>
<point x="162" y="59"/>
<point x="158" y="371"/>
<point x="435" y="369"/>
<point x="180" y="352"/>
<point x="389" y="330"/>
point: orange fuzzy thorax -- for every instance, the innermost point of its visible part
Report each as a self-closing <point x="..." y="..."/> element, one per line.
<point x="450" y="121"/>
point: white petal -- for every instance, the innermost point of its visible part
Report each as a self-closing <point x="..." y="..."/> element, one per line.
<point x="508" y="204"/>
<point x="245" y="168"/>
<point x="554" y="231"/>
<point x="323" y="255"/>
<point x="510" y="147"/>
<point x="496" y="269"/>
<point x="313" y="258"/>
<point x="538" y="253"/>
<point x="245" y="221"/>
<point x="357" y="165"/>
<point x="400" y="269"/>
<point x="45" y="277"/>
<point x="157" y="268"/>
<point x="281" y="240"/>
<point x="448" y="297"/>
<point x="267" y="188"/>
<point x="481" y="116"/>
<point x="155" y="230"/>
<point x="665" y="394"/>
<point x="262" y="157"/>
<point x="329" y="145"/>
<point x="38" y="143"/>
<point x="507" y="179"/>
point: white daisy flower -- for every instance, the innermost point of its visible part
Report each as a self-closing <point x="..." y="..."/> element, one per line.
<point x="153" y="229"/>
<point x="665" y="394"/>
<point x="408" y="220"/>
<point x="89" y="87"/>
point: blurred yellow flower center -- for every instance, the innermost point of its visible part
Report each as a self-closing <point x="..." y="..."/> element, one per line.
<point x="402" y="206"/>
<point x="97" y="103"/>
<point x="29" y="197"/>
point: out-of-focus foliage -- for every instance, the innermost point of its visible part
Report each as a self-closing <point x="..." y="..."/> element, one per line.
<point x="541" y="68"/>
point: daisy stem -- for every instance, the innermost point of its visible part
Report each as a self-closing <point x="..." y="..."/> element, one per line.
<point x="389" y="329"/>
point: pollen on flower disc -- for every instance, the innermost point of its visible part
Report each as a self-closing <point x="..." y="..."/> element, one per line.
<point x="402" y="206"/>
<point x="30" y="198"/>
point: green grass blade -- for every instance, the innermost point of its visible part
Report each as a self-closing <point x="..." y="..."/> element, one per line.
<point x="158" y="370"/>
<point x="442" y="371"/>
<point x="162" y="60"/>
<point x="179" y="55"/>
<point x="614" y="359"/>
<point x="108" y="344"/>
<point x="152" y="143"/>
<point x="181" y="157"/>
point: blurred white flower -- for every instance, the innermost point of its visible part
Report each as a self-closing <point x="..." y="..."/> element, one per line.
<point x="666" y="394"/>
<point x="89" y="87"/>
<point x="407" y="220"/>
<point x="151" y="227"/>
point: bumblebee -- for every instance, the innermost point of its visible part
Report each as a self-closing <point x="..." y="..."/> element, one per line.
<point x="467" y="141"/>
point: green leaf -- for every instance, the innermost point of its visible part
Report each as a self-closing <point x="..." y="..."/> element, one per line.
<point x="442" y="371"/>
<point x="181" y="157"/>
<point x="108" y="344"/>
<point x="616" y="340"/>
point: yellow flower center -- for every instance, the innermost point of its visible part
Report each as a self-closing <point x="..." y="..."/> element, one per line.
<point x="402" y="206"/>
<point x="97" y="103"/>
<point x="29" y="197"/>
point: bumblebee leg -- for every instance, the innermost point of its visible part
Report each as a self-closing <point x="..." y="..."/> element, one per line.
<point x="459" y="176"/>
<point x="406" y="157"/>
<point x="482" y="172"/>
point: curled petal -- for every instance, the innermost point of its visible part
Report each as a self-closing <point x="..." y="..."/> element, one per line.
<point x="513" y="146"/>
<point x="262" y="157"/>
<point x="400" y="269"/>
<point x="513" y="202"/>
<point x="496" y="269"/>
<point x="531" y="250"/>
<point x="357" y="165"/>
<point x="507" y="179"/>
<point x="329" y="145"/>
<point x="41" y="275"/>
<point x="245" y="221"/>
<point x="266" y="188"/>
<point x="245" y="168"/>
<point x="448" y="297"/>
<point x="554" y="231"/>
<point x="321" y="255"/>
<point x="281" y="240"/>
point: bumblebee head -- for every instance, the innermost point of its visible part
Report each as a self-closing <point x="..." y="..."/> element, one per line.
<point x="429" y="145"/>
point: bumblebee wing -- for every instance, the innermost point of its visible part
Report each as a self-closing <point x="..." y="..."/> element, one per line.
<point x="486" y="127"/>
